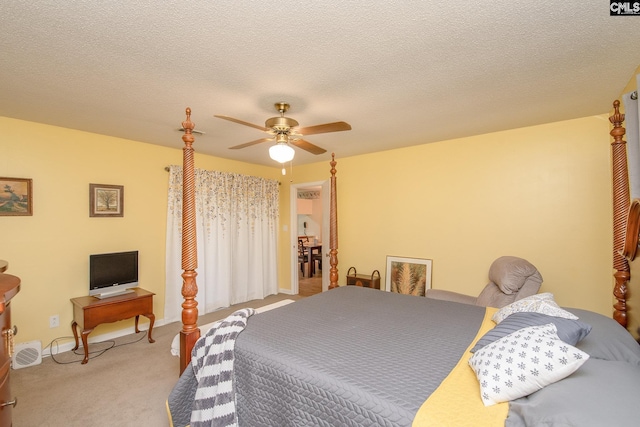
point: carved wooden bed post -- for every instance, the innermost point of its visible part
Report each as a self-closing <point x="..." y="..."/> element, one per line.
<point x="621" y="200"/>
<point x="333" y="228"/>
<point x="190" y="332"/>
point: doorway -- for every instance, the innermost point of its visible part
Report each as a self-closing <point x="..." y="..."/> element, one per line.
<point x="310" y="223"/>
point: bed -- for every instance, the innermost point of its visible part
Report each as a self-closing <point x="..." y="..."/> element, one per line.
<point x="361" y="357"/>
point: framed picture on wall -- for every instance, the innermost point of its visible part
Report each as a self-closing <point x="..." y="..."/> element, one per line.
<point x="106" y="200"/>
<point x="410" y="276"/>
<point x="16" y="197"/>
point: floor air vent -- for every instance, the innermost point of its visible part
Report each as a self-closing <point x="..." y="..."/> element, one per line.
<point x="27" y="354"/>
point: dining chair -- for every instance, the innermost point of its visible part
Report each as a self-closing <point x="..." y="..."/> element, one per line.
<point x="316" y="257"/>
<point x="302" y="255"/>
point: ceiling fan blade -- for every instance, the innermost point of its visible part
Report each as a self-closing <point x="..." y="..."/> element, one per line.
<point x="307" y="146"/>
<point x="249" y="144"/>
<point x="242" y="122"/>
<point x="325" y="128"/>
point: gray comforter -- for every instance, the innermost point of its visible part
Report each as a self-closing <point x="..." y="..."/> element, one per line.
<point x="362" y="357"/>
<point x="349" y="357"/>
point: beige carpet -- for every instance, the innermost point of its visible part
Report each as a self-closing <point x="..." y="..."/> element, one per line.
<point x="125" y="386"/>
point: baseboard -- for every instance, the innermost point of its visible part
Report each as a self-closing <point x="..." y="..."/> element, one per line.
<point x="68" y="346"/>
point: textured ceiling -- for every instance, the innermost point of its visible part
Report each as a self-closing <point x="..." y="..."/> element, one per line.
<point x="401" y="72"/>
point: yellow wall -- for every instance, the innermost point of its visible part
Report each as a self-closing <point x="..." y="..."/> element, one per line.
<point x="49" y="251"/>
<point x="542" y="193"/>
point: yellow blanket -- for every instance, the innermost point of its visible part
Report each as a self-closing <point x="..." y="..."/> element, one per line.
<point x="456" y="402"/>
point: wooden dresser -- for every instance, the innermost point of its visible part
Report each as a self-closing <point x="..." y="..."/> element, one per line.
<point x="9" y="287"/>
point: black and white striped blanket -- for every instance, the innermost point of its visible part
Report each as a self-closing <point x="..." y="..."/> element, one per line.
<point x="212" y="361"/>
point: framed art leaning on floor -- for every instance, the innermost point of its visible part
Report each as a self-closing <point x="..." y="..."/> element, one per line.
<point x="411" y="276"/>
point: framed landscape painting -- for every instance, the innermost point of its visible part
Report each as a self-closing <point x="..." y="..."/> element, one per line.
<point x="16" y="197"/>
<point x="410" y="276"/>
<point x="106" y="200"/>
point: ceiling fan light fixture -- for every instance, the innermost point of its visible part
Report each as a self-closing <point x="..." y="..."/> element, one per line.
<point x="281" y="152"/>
<point x="286" y="131"/>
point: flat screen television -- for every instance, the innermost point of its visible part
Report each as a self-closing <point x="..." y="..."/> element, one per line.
<point x="113" y="274"/>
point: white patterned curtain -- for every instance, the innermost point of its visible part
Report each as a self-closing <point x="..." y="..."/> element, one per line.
<point x="236" y="222"/>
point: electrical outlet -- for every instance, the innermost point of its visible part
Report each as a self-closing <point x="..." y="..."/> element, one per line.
<point x="54" y="321"/>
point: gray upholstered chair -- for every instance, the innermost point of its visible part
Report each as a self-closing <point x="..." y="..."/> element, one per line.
<point x="510" y="279"/>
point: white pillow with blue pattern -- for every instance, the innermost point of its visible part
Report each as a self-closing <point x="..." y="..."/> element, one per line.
<point x="523" y="362"/>
<point x="539" y="303"/>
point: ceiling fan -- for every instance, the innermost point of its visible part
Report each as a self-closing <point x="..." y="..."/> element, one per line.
<point x="285" y="131"/>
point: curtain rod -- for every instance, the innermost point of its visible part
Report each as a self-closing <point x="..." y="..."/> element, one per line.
<point x="168" y="169"/>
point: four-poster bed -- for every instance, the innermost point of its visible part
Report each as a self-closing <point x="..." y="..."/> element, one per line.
<point x="190" y="333"/>
<point x="621" y="200"/>
<point x="626" y="217"/>
<point x="357" y="356"/>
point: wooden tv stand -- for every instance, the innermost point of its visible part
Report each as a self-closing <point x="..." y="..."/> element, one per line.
<point x="89" y="312"/>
